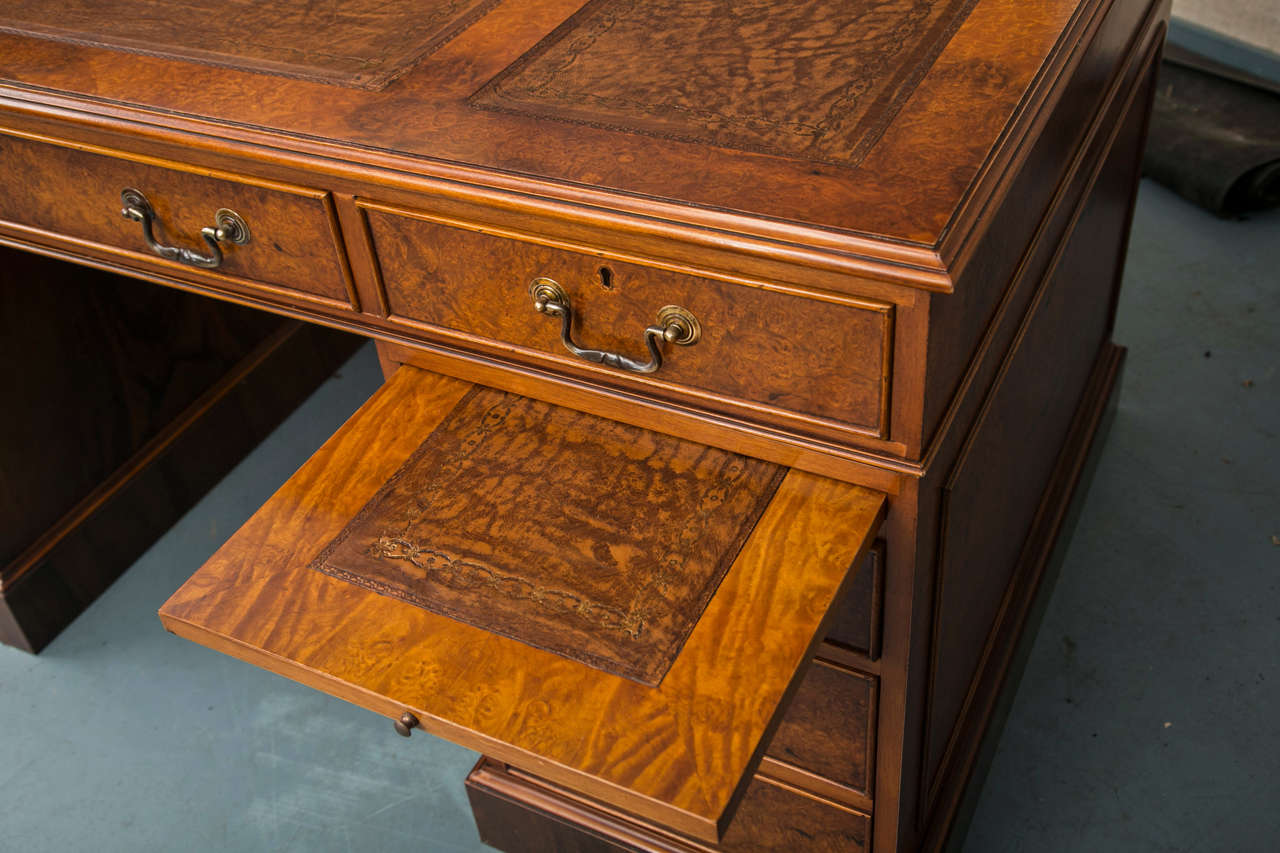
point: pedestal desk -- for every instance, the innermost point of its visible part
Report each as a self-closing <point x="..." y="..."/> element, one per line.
<point x="742" y="360"/>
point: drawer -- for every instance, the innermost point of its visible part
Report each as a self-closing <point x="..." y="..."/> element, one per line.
<point x="515" y="811"/>
<point x="620" y="612"/>
<point x="826" y="740"/>
<point x="812" y="363"/>
<point x="72" y="194"/>
<point x="856" y="623"/>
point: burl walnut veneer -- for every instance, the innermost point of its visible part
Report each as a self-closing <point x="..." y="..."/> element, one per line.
<point x="812" y="300"/>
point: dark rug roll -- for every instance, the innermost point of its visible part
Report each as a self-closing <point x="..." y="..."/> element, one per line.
<point x="1215" y="135"/>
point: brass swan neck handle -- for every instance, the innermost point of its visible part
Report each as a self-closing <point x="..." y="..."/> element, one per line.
<point x="675" y="325"/>
<point x="228" y="227"/>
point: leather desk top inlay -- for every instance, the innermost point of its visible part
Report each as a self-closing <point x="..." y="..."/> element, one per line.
<point x="592" y="539"/>
<point x="361" y="43"/>
<point x="815" y="79"/>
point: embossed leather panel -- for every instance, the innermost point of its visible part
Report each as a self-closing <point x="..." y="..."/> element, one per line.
<point x="364" y="43"/>
<point x="592" y="539"/>
<point x="817" y="79"/>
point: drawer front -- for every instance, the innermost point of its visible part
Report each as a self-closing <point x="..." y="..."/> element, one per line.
<point x="816" y="365"/>
<point x="293" y="251"/>
<point x="518" y="812"/>
<point x="621" y="612"/>
<point x="826" y="741"/>
<point x="856" y="623"/>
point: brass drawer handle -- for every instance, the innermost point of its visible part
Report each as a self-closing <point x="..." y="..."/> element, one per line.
<point x="675" y="325"/>
<point x="228" y="227"/>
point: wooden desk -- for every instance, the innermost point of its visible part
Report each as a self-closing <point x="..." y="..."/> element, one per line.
<point x="893" y="232"/>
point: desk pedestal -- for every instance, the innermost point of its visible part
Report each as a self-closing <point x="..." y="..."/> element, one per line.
<point x="135" y="400"/>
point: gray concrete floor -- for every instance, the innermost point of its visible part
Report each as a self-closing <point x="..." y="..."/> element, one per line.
<point x="1146" y="719"/>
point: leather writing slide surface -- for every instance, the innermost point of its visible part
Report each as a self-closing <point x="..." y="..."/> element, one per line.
<point x="679" y="752"/>
<point x="596" y="540"/>
<point x="360" y="43"/>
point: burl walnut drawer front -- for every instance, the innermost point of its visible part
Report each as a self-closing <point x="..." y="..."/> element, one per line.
<point x="620" y="612"/>
<point x="818" y="364"/>
<point x="826" y="741"/>
<point x="772" y="818"/>
<point x="856" y="624"/>
<point x="289" y="247"/>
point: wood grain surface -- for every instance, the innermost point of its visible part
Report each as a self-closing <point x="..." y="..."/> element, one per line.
<point x="364" y="43"/>
<point x="856" y="624"/>
<point x="678" y="753"/>
<point x="1043" y="195"/>
<point x="74" y="191"/>
<point x="1002" y="63"/>
<point x="596" y="540"/>
<point x="517" y="813"/>
<point x="829" y="729"/>
<point x="993" y="491"/>
<point x="825" y="358"/>
<point x="962" y="188"/>
<point x="123" y="404"/>
<point x="99" y="364"/>
<point x="813" y="79"/>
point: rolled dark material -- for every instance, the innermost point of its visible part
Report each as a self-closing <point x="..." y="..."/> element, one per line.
<point x="1215" y="135"/>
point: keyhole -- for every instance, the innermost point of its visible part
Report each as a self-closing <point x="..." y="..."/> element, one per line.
<point x="606" y="278"/>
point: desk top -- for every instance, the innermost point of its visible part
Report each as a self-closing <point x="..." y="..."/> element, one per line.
<point x="881" y="129"/>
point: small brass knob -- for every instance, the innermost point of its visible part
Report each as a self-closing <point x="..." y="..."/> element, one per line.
<point x="406" y="724"/>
